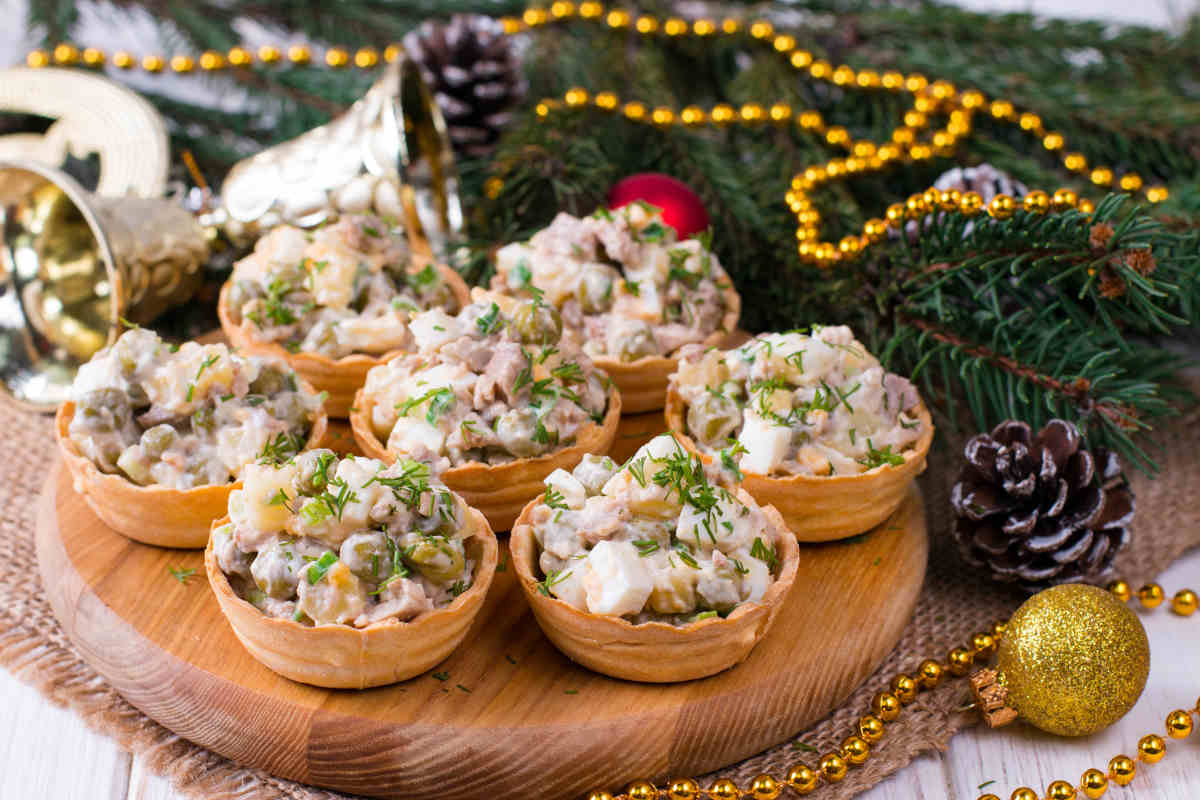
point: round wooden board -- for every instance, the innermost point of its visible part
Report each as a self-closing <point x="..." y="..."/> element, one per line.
<point x="506" y="715"/>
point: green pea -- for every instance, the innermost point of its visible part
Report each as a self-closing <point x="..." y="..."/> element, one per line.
<point x="713" y="418"/>
<point x="368" y="555"/>
<point x="439" y="560"/>
<point x="537" y="323"/>
<point x="156" y="440"/>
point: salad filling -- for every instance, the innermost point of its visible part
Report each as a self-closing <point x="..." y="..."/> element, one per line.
<point x="495" y="383"/>
<point x="625" y="285"/>
<point x="662" y="538"/>
<point x="186" y="416"/>
<point x="328" y="541"/>
<point x="797" y="403"/>
<point x="348" y="287"/>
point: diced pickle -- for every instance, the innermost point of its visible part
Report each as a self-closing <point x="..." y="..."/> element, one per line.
<point x="367" y="554"/>
<point x="313" y="470"/>
<point x="637" y="343"/>
<point x="289" y="408"/>
<point x="202" y="419"/>
<point x="595" y="290"/>
<point x="156" y="440"/>
<point x="269" y="381"/>
<point x="276" y="570"/>
<point x="243" y="292"/>
<point x="105" y="409"/>
<point x="515" y="429"/>
<point x="537" y="323"/>
<point x="438" y="559"/>
<point x="713" y="418"/>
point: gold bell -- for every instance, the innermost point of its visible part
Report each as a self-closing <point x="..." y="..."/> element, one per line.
<point x="73" y="263"/>
<point x="389" y="153"/>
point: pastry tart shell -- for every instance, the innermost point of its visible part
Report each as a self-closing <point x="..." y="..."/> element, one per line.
<point x="500" y="491"/>
<point x="158" y="515"/>
<point x="643" y="383"/>
<point x="653" y="652"/>
<point x="345" y="657"/>
<point x="819" y="508"/>
<point x="340" y="377"/>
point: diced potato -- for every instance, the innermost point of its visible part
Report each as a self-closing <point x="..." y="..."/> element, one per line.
<point x="434" y="328"/>
<point x="573" y="492"/>
<point x="332" y="270"/>
<point x="267" y="492"/>
<point x="616" y="579"/>
<point x="338" y="598"/>
<point x="674" y="589"/>
<point x="415" y="436"/>
<point x="766" y="444"/>
<point x="568" y="584"/>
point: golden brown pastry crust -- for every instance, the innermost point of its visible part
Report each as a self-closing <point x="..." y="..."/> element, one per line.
<point x="643" y="383"/>
<point x="653" y="652"/>
<point x="341" y="377"/>
<point x="345" y="657"/>
<point x="157" y="515"/>
<point x="821" y="508"/>
<point x="500" y="491"/>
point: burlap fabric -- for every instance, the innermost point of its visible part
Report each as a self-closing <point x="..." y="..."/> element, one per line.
<point x="953" y="604"/>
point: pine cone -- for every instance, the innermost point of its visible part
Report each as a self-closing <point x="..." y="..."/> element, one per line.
<point x="985" y="179"/>
<point x="1040" y="511"/>
<point x="473" y="72"/>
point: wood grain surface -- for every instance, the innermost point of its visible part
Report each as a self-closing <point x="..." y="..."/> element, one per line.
<point x="506" y="712"/>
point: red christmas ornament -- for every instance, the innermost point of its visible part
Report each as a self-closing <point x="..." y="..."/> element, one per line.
<point x="682" y="209"/>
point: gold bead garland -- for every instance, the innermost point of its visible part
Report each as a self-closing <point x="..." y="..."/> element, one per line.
<point x="938" y="97"/>
<point x="855" y="750"/>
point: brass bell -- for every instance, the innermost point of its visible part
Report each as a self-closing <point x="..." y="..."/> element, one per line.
<point x="73" y="265"/>
<point x="389" y="153"/>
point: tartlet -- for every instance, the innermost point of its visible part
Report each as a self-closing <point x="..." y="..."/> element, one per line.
<point x="494" y="398"/>
<point x="175" y="510"/>
<point x="629" y="292"/>
<point x="404" y="568"/>
<point x="810" y="422"/>
<point x="654" y="571"/>
<point x="296" y="297"/>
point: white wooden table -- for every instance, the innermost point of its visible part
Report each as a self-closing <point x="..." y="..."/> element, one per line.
<point x="46" y="753"/>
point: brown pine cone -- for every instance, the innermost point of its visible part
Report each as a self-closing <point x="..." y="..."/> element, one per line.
<point x="474" y="74"/>
<point x="1041" y="510"/>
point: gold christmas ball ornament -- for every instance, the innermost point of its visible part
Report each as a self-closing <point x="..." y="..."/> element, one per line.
<point x="1073" y="660"/>
<point x="1025" y="793"/>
